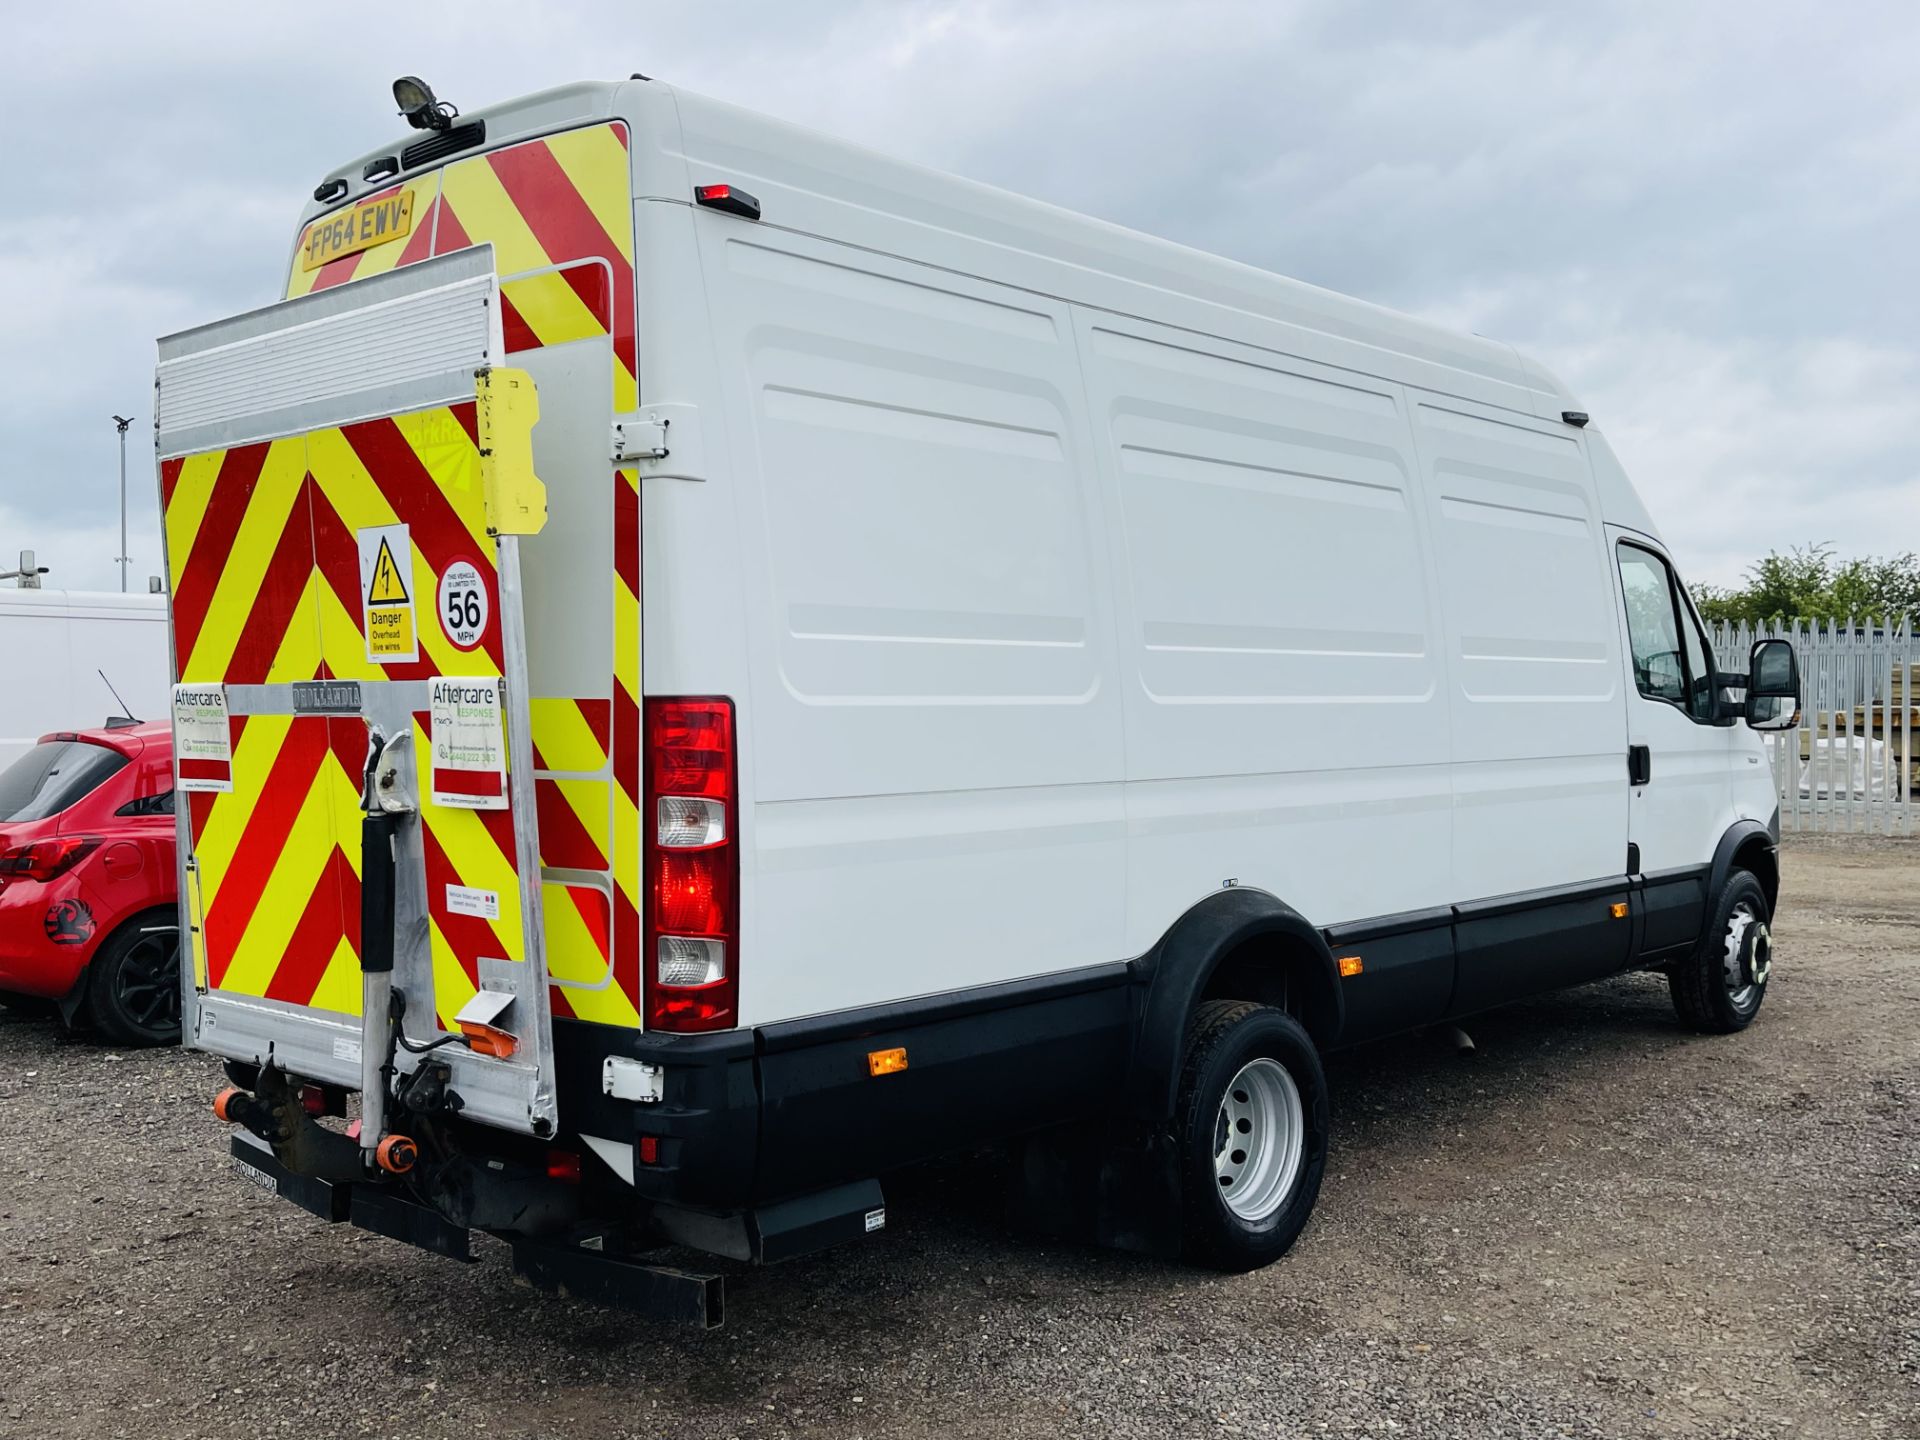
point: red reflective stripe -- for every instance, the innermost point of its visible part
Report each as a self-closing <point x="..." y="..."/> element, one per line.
<point x="276" y="607"/>
<point x="514" y="330"/>
<point x="272" y="820"/>
<point x="589" y="283"/>
<point x="226" y="508"/>
<point x="566" y="226"/>
<point x="332" y="914"/>
<point x="565" y="843"/>
<point x="468" y="782"/>
<point x="599" y="717"/>
<point x="336" y="272"/>
<point x="169" y="477"/>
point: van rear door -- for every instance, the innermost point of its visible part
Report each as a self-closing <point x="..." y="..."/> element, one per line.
<point x="346" y="477"/>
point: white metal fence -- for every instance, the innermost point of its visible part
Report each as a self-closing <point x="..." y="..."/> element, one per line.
<point x="1852" y="764"/>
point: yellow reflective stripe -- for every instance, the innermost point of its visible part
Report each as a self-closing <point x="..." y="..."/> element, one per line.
<point x="552" y="310"/>
<point x="187" y="507"/>
<point x="269" y="508"/>
<point x="452" y="987"/>
<point x="588" y="801"/>
<point x="253" y="761"/>
<point x="339" y="987"/>
<point x="341" y="644"/>
<point x="597" y="164"/>
<point x="298" y="657"/>
<point x="626" y="845"/>
<point x="446" y="451"/>
<point x="572" y="955"/>
<point x="485" y="211"/>
<point x="298" y="871"/>
<point x="563" y="737"/>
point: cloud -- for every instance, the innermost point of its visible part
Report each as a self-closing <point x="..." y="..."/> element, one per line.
<point x="1700" y="216"/>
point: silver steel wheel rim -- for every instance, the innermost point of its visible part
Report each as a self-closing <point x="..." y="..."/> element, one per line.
<point x="1745" y="922"/>
<point x="1259" y="1138"/>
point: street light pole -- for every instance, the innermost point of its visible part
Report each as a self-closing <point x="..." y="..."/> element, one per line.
<point x="122" y="422"/>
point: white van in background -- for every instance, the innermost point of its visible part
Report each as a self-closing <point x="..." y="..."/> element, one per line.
<point x="975" y="672"/>
<point x="54" y="647"/>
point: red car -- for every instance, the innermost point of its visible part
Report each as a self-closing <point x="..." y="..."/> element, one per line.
<point x="88" y="882"/>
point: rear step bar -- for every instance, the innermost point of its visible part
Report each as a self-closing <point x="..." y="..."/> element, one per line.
<point x="658" y="1292"/>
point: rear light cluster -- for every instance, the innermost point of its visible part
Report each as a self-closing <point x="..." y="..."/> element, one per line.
<point x="691" y="966"/>
<point x="46" y="859"/>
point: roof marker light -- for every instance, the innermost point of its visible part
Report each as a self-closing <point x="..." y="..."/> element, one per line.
<point x="730" y="198"/>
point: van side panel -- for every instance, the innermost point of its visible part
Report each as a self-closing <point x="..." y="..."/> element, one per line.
<point x="934" y="722"/>
<point x="1286" y="716"/>
<point x="1539" y="722"/>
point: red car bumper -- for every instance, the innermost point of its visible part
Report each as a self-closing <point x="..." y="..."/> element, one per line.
<point x="48" y="934"/>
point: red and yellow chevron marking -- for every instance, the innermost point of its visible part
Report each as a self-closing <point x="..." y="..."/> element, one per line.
<point x="416" y="244"/>
<point x="625" y="790"/>
<point x="579" y="943"/>
<point x="544" y="205"/>
<point x="264" y="546"/>
<point x="558" y="212"/>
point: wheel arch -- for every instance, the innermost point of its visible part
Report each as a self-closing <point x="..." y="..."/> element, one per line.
<point x="1238" y="944"/>
<point x="78" y="1005"/>
<point x="1747" y="845"/>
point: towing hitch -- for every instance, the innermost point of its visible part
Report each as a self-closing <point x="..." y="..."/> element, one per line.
<point x="278" y="1115"/>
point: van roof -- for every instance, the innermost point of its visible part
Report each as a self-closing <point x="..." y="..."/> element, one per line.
<point x="679" y="130"/>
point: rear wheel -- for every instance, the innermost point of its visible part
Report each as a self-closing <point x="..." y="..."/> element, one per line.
<point x="134" y="982"/>
<point x="1718" y="989"/>
<point x="1252" y="1127"/>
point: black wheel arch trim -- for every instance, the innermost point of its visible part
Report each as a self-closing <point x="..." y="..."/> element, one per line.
<point x="1173" y="975"/>
<point x="1741" y="834"/>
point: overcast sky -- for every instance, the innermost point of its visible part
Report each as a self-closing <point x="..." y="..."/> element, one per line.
<point x="1705" y="217"/>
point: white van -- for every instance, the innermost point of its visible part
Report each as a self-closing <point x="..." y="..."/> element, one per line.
<point x="65" y="653"/>
<point x="977" y="672"/>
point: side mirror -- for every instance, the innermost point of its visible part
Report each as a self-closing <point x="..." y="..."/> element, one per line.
<point x="1773" y="686"/>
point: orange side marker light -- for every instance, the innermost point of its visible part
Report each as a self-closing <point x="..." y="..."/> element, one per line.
<point x="1350" y="966"/>
<point x="1619" y="909"/>
<point x="887" y="1062"/>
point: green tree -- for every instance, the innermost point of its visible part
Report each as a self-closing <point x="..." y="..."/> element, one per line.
<point x="1807" y="583"/>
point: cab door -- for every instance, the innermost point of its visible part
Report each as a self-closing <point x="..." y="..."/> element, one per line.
<point x="1680" y="748"/>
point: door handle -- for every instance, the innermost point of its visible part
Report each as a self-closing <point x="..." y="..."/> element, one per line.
<point x="1639" y="764"/>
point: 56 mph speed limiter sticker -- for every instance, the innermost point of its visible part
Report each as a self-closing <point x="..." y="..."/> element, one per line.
<point x="462" y="605"/>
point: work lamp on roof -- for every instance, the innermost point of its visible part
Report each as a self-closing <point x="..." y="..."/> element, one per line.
<point x="417" y="103"/>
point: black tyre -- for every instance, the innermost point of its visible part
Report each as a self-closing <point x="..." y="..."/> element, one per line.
<point x="1251" y="1121"/>
<point x="133" y="985"/>
<point x="1718" y="989"/>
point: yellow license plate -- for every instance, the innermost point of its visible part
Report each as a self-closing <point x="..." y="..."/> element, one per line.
<point x="370" y="223"/>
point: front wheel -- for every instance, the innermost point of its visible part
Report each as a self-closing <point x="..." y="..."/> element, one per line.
<point x="1252" y="1128"/>
<point x="134" y="982"/>
<point x="1718" y="989"/>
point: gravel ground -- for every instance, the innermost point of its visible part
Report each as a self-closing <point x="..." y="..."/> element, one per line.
<point x="1596" y="1226"/>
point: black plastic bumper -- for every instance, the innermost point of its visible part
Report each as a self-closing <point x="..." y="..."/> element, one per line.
<point x="664" y="1293"/>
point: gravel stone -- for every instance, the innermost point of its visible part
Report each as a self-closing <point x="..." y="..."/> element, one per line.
<point x="1597" y="1225"/>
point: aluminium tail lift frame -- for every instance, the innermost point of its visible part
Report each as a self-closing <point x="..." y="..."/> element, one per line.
<point x="418" y="336"/>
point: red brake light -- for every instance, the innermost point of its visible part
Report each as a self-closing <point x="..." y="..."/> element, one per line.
<point x="730" y="198"/>
<point x="690" y="970"/>
<point x="45" y="860"/>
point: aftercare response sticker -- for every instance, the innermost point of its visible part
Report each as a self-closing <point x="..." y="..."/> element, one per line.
<point x="469" y="743"/>
<point x="202" y="743"/>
